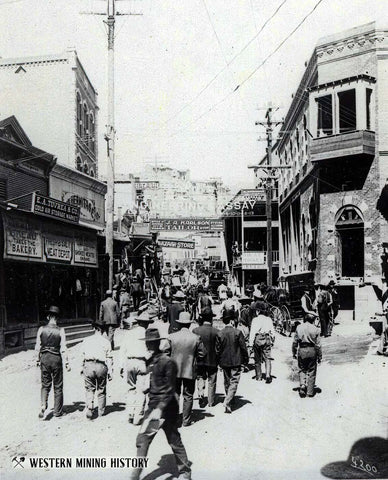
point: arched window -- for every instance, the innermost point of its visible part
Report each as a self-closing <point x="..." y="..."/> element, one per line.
<point x="79" y="114"/>
<point x="349" y="229"/>
<point x="91" y="142"/>
<point x="92" y="173"/>
<point x="86" y="168"/>
<point x="86" y="123"/>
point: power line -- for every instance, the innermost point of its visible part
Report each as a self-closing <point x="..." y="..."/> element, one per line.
<point x="251" y="74"/>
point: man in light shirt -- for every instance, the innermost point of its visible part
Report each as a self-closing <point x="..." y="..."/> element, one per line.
<point x="261" y="339"/>
<point x="133" y="365"/>
<point x="96" y="368"/>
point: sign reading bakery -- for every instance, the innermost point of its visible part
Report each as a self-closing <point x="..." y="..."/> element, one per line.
<point x="81" y="192"/>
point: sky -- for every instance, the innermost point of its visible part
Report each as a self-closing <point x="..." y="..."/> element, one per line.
<point x="177" y="67"/>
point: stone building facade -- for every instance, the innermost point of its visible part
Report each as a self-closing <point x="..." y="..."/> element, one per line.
<point x="335" y="142"/>
<point x="56" y="102"/>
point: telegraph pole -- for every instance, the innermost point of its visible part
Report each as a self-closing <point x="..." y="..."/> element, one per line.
<point x="270" y="171"/>
<point x="110" y="134"/>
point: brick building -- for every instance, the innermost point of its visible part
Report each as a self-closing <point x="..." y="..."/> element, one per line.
<point x="336" y="143"/>
<point x="56" y="103"/>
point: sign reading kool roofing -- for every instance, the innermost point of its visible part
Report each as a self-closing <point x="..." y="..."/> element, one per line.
<point x="49" y="207"/>
<point x="163" y="242"/>
<point x="198" y="224"/>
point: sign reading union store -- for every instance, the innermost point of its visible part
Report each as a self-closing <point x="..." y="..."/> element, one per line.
<point x="32" y="240"/>
<point x="198" y="224"/>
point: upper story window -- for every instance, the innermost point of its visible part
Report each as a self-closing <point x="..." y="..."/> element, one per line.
<point x="91" y="142"/>
<point x="79" y="163"/>
<point x="325" y="115"/>
<point x="347" y="111"/>
<point x="86" y="122"/>
<point x="79" y="114"/>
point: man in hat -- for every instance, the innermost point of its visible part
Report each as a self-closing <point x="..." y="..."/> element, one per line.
<point x="323" y="302"/>
<point x="97" y="367"/>
<point x="335" y="305"/>
<point x="174" y="310"/>
<point x="204" y="299"/>
<point x="163" y="408"/>
<point x="136" y="292"/>
<point x="51" y="345"/>
<point x="133" y="365"/>
<point x="207" y="366"/>
<point x="260" y="340"/>
<point x="124" y="305"/>
<point x="231" y="353"/>
<point x="109" y="317"/>
<point x="307" y="345"/>
<point x="245" y="311"/>
<point x="307" y="303"/>
<point x="186" y="349"/>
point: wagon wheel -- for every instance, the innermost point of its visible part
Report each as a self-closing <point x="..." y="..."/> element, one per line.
<point x="277" y="318"/>
<point x="287" y="325"/>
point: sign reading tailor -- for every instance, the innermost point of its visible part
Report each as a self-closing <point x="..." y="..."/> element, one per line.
<point x="22" y="239"/>
<point x="196" y="224"/>
<point x="50" y="207"/>
<point x="184" y="244"/>
<point x="58" y="248"/>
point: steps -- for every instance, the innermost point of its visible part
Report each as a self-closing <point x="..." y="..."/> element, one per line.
<point x="76" y="333"/>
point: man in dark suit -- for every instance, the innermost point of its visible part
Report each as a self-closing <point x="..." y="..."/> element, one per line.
<point x="231" y="353"/>
<point x="207" y="367"/>
<point x="186" y="349"/>
<point x="174" y="310"/>
<point x="109" y="317"/>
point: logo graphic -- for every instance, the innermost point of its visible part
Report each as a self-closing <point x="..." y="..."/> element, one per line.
<point x="18" y="462"/>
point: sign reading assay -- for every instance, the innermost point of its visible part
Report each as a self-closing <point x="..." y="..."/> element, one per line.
<point x="49" y="207"/>
<point x="184" y="244"/>
<point x="196" y="224"/>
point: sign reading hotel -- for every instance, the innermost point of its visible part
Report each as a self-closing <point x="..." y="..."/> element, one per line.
<point x="184" y="244"/>
<point x="49" y="207"/>
<point x="146" y="185"/>
<point x="191" y="224"/>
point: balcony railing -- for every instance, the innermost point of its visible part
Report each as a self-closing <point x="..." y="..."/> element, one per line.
<point x="360" y="142"/>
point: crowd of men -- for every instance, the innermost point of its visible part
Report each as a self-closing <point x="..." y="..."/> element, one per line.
<point x="170" y="346"/>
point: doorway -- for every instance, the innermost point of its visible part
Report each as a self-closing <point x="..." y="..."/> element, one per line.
<point x="350" y="242"/>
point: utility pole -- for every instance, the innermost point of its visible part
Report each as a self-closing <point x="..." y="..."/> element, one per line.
<point x="270" y="171"/>
<point x="110" y="134"/>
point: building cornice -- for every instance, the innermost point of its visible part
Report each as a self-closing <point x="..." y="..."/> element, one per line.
<point x="66" y="173"/>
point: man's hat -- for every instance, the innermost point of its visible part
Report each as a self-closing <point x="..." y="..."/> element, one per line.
<point x="332" y="283"/>
<point x="257" y="294"/>
<point x="184" y="318"/>
<point x="108" y="293"/>
<point x="179" y="295"/>
<point x="115" y="286"/>
<point x="244" y="300"/>
<point x="260" y="305"/>
<point x="368" y="458"/>
<point x="228" y="314"/>
<point x="54" y="310"/>
<point x="207" y="312"/>
<point x="152" y="334"/>
<point x="143" y="305"/>
<point x="145" y="317"/>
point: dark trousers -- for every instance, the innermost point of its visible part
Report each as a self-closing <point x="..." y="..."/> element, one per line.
<point x="188" y="394"/>
<point x="95" y="374"/>
<point x="307" y="363"/>
<point x="136" y="296"/>
<point x="170" y="426"/>
<point x="210" y="374"/>
<point x="52" y="373"/>
<point x="109" y="330"/>
<point x="231" y="381"/>
<point x="324" y="319"/>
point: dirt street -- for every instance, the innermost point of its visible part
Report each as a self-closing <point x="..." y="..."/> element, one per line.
<point x="272" y="433"/>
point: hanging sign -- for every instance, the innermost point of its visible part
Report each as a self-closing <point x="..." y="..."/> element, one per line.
<point x="185" y="244"/>
<point x="198" y="224"/>
<point x="49" y="207"/>
<point x="22" y="239"/>
<point x="58" y="248"/>
<point x="85" y="251"/>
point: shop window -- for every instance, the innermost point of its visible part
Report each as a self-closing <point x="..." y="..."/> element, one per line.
<point x="325" y="115"/>
<point x="368" y="108"/>
<point x="347" y="111"/>
<point x="3" y="189"/>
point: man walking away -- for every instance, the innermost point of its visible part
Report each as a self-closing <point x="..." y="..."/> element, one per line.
<point x="323" y="306"/>
<point x="186" y="349"/>
<point x="162" y="409"/>
<point x="134" y="354"/>
<point x="335" y="305"/>
<point x="231" y="353"/>
<point x="260" y="339"/>
<point x="109" y="317"/>
<point x="174" y="310"/>
<point x="204" y="300"/>
<point x="136" y="292"/>
<point x="207" y="366"/>
<point x="51" y="345"/>
<point x="96" y="368"/>
<point x="124" y="304"/>
<point x="307" y="345"/>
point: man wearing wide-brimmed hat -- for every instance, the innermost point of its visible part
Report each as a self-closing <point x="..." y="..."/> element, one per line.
<point x="174" y="310"/>
<point x="133" y="365"/>
<point x="96" y="368"/>
<point x="231" y="353"/>
<point x="51" y="345"/>
<point x="207" y="366"/>
<point x="186" y="349"/>
<point x="163" y="408"/>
